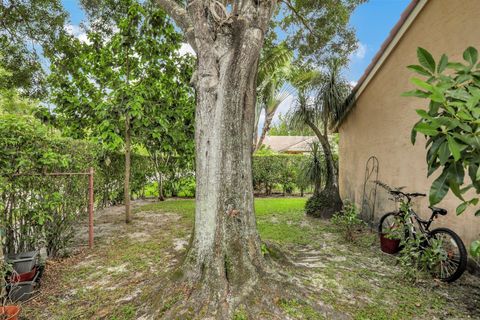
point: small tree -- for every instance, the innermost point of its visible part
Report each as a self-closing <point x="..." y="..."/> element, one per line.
<point x="274" y="70"/>
<point x="124" y="86"/>
<point x="313" y="169"/>
<point x="451" y="123"/>
<point x="320" y="99"/>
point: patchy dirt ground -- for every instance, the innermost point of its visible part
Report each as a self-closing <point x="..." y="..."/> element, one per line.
<point x="110" y="281"/>
<point x="113" y="280"/>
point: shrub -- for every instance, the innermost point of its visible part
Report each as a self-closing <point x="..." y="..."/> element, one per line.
<point x="284" y="170"/>
<point x="40" y="207"/>
<point x="36" y="207"/>
<point x="418" y="254"/>
<point x="348" y="221"/>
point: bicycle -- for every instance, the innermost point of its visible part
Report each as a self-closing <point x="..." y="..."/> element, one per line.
<point x="451" y="250"/>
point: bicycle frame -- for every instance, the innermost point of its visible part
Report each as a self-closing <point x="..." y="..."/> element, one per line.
<point x="423" y="225"/>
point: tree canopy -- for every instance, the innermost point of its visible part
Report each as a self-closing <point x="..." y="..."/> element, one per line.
<point x="28" y="29"/>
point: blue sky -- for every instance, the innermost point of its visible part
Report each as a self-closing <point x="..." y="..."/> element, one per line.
<point x="372" y="22"/>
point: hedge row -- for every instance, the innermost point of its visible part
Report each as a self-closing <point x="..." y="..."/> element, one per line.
<point x="38" y="207"/>
<point x="284" y="171"/>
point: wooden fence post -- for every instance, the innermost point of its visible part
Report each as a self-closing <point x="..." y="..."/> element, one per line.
<point x="90" y="208"/>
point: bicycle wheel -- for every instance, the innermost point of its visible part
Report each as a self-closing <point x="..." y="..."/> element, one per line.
<point x="391" y="222"/>
<point x="453" y="260"/>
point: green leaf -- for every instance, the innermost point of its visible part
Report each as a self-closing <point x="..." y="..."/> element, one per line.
<point x="426" y="59"/>
<point x="423" y="114"/>
<point x="473" y="169"/>
<point x="439" y="188"/>
<point x="422" y="84"/>
<point x="443" y="153"/>
<point x="420" y="70"/>
<point x="416" y="93"/>
<point x="477" y="213"/>
<point x="454" y="148"/>
<point x="470" y="55"/>
<point x="413" y="136"/>
<point x="475" y="248"/>
<point x="461" y="208"/>
<point x="456" y="173"/>
<point x="437" y="95"/>
<point x="457" y="66"/>
<point x="426" y="129"/>
<point x="455" y="187"/>
<point x="442" y="64"/>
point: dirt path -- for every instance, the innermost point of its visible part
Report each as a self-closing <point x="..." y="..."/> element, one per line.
<point x="111" y="280"/>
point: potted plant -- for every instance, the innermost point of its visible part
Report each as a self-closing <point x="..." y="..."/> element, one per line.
<point x="390" y="239"/>
<point x="7" y="311"/>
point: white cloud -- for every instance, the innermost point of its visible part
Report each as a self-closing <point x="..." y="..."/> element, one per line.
<point x="186" y="49"/>
<point x="361" y="51"/>
<point x="352" y="83"/>
<point x="77" y="32"/>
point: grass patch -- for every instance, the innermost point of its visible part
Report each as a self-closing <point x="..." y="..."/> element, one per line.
<point x="353" y="278"/>
<point x="300" y="310"/>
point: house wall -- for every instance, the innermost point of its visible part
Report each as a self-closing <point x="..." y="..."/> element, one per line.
<point x="380" y="123"/>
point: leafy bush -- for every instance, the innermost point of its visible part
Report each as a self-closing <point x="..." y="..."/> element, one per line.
<point x="36" y="207"/>
<point x="451" y="123"/>
<point x="40" y="207"/>
<point x="417" y="258"/>
<point x="284" y="170"/>
<point x="348" y="221"/>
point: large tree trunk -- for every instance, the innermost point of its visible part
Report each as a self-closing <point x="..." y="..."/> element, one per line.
<point x="265" y="129"/>
<point x="225" y="255"/>
<point x="128" y="147"/>
<point x="224" y="261"/>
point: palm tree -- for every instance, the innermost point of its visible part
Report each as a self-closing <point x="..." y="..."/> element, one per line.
<point x="312" y="169"/>
<point x="273" y="73"/>
<point x="321" y="98"/>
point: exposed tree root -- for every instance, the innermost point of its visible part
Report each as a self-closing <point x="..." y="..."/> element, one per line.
<point x="263" y="298"/>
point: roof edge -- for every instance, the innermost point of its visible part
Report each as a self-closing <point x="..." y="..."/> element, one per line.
<point x="396" y="34"/>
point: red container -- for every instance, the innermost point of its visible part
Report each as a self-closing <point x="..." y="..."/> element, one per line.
<point x="21" y="277"/>
<point x="11" y="312"/>
<point x="390" y="246"/>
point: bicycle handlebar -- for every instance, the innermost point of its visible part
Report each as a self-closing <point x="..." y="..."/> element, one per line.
<point x="396" y="191"/>
<point x="409" y="196"/>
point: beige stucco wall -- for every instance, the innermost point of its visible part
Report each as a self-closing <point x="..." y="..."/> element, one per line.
<point x="381" y="122"/>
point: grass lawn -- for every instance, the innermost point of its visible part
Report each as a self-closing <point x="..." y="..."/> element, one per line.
<point x="356" y="279"/>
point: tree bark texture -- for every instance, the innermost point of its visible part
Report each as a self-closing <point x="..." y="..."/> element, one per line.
<point x="331" y="180"/>
<point x="265" y="129"/>
<point x="224" y="260"/>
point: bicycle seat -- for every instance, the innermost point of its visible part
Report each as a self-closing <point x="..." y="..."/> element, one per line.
<point x="439" y="211"/>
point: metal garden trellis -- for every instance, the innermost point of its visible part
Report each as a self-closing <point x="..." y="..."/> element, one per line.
<point x="90" y="174"/>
